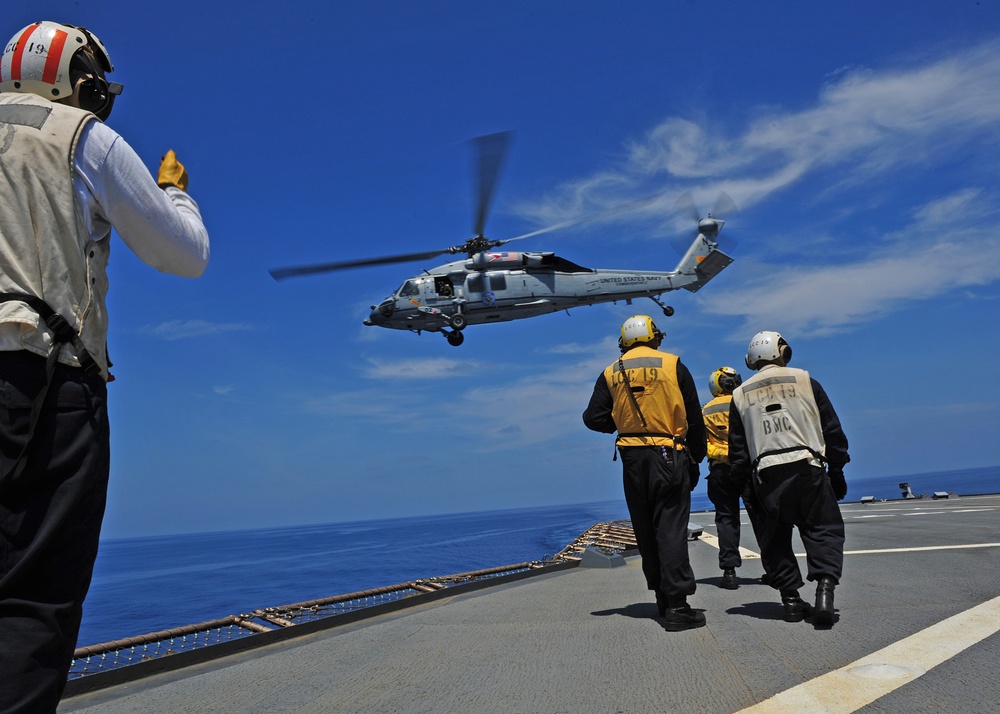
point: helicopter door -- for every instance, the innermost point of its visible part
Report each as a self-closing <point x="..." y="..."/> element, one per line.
<point x="443" y="287"/>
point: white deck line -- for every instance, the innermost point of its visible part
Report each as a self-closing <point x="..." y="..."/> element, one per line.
<point x="855" y="685"/>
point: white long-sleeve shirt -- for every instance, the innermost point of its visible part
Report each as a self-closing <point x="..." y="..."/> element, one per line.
<point x="113" y="188"/>
<point x="163" y="228"/>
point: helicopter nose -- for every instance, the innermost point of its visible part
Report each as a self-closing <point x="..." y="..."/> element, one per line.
<point x="380" y="315"/>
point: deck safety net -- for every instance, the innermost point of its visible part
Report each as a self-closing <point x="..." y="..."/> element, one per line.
<point x="616" y="536"/>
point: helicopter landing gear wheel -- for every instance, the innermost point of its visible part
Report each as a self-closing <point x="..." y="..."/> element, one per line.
<point x="458" y="322"/>
<point x="455" y="338"/>
<point x="667" y="310"/>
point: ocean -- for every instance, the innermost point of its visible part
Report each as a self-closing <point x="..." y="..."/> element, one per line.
<point x="144" y="585"/>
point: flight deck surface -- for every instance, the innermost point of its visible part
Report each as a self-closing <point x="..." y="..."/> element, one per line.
<point x="918" y="616"/>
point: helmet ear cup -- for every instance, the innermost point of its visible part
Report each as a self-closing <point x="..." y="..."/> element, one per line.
<point x="93" y="94"/>
<point x="785" y="350"/>
<point x="97" y="95"/>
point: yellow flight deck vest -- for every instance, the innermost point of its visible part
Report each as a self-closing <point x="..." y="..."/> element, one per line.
<point x="47" y="251"/>
<point x="653" y="377"/>
<point x="781" y="417"/>
<point x="716" y="414"/>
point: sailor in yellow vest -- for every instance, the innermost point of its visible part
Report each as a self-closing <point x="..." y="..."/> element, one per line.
<point x="650" y="399"/>
<point x="722" y="491"/>
<point x="786" y="438"/>
<point x="66" y="180"/>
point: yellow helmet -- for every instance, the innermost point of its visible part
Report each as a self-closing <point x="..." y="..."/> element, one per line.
<point x="636" y="329"/>
<point x="724" y="380"/>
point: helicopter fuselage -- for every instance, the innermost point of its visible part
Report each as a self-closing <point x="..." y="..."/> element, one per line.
<point x="504" y="286"/>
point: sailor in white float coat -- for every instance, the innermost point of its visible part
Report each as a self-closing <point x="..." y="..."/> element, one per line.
<point x="66" y="180"/>
<point x="783" y="436"/>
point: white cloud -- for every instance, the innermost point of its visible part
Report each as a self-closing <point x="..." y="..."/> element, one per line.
<point x="865" y="121"/>
<point x="516" y="406"/>
<point x="185" y="329"/>
<point x="880" y="132"/>
<point x="433" y="368"/>
<point x="924" y="260"/>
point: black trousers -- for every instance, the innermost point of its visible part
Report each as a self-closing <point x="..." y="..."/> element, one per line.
<point x="755" y="513"/>
<point x="725" y="496"/>
<point x="805" y="501"/>
<point x="50" y="522"/>
<point x="659" y="502"/>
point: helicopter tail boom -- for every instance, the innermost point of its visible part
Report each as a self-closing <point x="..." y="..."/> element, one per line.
<point x="703" y="260"/>
<point x="708" y="268"/>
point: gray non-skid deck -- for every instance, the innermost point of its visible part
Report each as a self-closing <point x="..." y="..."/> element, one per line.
<point x="588" y="639"/>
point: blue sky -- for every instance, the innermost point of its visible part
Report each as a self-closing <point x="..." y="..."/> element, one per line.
<point x="859" y="139"/>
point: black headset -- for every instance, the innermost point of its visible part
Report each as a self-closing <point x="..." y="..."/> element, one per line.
<point x="728" y="382"/>
<point x="96" y="94"/>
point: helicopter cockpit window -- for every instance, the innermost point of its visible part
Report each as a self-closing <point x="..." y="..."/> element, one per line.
<point x="410" y="287"/>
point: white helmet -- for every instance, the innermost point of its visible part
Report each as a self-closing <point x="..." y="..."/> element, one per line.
<point x="38" y="59"/>
<point x="768" y="348"/>
<point x="724" y="380"/>
<point x="636" y="329"/>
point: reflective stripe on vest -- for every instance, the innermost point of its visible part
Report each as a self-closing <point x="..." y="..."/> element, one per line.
<point x="653" y="377"/>
<point x="780" y="417"/>
<point x="716" y="414"/>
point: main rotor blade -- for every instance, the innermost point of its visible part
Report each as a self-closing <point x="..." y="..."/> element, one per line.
<point x="491" y="149"/>
<point x="282" y="273"/>
<point x="601" y="215"/>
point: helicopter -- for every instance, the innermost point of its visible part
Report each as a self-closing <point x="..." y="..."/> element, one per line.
<point x="488" y="286"/>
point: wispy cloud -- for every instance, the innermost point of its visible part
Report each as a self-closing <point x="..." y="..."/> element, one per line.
<point x="519" y="406"/>
<point x="186" y="329"/>
<point x="422" y="369"/>
<point x="924" y="260"/>
<point x="867" y="120"/>
<point x="880" y="130"/>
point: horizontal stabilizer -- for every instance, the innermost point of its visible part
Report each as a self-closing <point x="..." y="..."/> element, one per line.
<point x="712" y="265"/>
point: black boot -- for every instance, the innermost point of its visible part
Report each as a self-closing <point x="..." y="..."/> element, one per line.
<point x="823" y="613"/>
<point x="679" y="616"/>
<point x="796" y="609"/>
<point x="728" y="581"/>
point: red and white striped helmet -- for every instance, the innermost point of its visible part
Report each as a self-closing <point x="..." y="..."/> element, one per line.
<point x="37" y="59"/>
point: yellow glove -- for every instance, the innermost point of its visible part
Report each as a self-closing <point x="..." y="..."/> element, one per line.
<point x="172" y="172"/>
